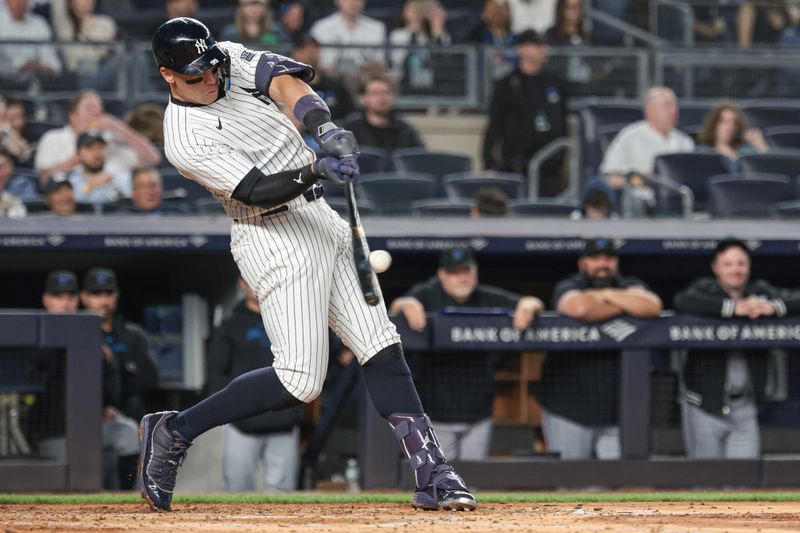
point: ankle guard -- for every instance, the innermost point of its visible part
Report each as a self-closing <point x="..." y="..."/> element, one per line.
<point x="419" y="444"/>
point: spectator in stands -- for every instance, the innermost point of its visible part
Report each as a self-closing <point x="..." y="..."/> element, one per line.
<point x="568" y="29"/>
<point x="60" y="292"/>
<point x="240" y="344"/>
<point x="536" y="15"/>
<point x="12" y="128"/>
<point x="254" y="23"/>
<point x="17" y="23"/>
<point x="91" y="181"/>
<point x="461" y="407"/>
<point x="596" y="206"/>
<point x="148" y="120"/>
<point x="127" y="340"/>
<point x="495" y="25"/>
<point x="423" y="25"/>
<point x="60" y="197"/>
<point x="348" y="26"/>
<point x="328" y="86"/>
<point x="75" y="21"/>
<point x="10" y="205"/>
<point x="489" y="202"/>
<point x="181" y="8"/>
<point x="725" y="132"/>
<point x="292" y="16"/>
<point x="57" y="153"/>
<point x="20" y="187"/>
<point x="633" y="151"/>
<point x="760" y="23"/>
<point x="527" y="111"/>
<point x="579" y="391"/>
<point x="378" y="125"/>
<point x="723" y="388"/>
<point x="711" y="25"/>
<point x="146" y="195"/>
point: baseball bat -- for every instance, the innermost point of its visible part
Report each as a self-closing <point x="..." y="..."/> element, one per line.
<point x="366" y="277"/>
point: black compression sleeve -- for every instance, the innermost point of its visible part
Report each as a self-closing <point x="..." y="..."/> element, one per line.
<point x="265" y="191"/>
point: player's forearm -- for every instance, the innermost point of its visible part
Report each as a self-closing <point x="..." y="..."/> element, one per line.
<point x="268" y="191"/>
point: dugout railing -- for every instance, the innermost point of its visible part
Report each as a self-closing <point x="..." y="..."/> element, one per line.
<point x="634" y="338"/>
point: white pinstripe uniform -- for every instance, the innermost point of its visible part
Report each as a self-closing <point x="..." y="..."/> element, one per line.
<point x="299" y="262"/>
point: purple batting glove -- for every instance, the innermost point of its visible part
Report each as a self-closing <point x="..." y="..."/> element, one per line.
<point x="335" y="169"/>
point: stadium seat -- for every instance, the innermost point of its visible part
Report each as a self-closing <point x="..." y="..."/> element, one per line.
<point x="595" y="116"/>
<point x="690" y="169"/>
<point x="175" y="185"/>
<point x="373" y="160"/>
<point x="209" y="206"/>
<point x="785" y="163"/>
<point x="437" y="207"/>
<point x="392" y="194"/>
<point x="606" y="134"/>
<point x="541" y="208"/>
<point x="751" y="196"/>
<point x="365" y="207"/>
<point x="787" y="137"/>
<point x="466" y="184"/>
<point x="691" y="116"/>
<point x="770" y="113"/>
<point x="436" y="163"/>
<point x="36" y="129"/>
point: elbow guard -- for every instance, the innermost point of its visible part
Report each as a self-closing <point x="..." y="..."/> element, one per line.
<point x="268" y="191"/>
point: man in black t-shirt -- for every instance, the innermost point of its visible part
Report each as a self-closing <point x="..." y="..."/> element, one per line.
<point x="457" y="388"/>
<point x="579" y="391"/>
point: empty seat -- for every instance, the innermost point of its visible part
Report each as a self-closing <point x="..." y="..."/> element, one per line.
<point x="209" y="206"/>
<point x="541" y="208"/>
<point x="751" y="196"/>
<point x="176" y="186"/>
<point x="438" y="207"/>
<point x="691" y="116"/>
<point x="365" y="207"/>
<point x="436" y="163"/>
<point x="466" y="184"/>
<point x="770" y="113"/>
<point x="35" y="129"/>
<point x="606" y="134"/>
<point x="691" y="170"/>
<point x="783" y="137"/>
<point x="392" y="194"/>
<point x="593" y="117"/>
<point x="787" y="164"/>
<point x="373" y="160"/>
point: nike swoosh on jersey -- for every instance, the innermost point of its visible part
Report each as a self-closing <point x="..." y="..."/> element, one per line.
<point x="219" y="123"/>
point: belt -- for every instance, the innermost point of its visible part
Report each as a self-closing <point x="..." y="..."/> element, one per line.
<point x="314" y="193"/>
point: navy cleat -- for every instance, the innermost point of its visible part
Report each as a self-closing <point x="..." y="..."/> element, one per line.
<point x="437" y="486"/>
<point x="161" y="452"/>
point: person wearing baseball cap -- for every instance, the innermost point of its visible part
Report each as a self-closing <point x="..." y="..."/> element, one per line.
<point x="461" y="409"/>
<point x="60" y="292"/>
<point x="91" y="181"/>
<point x="723" y="389"/>
<point x="579" y="391"/>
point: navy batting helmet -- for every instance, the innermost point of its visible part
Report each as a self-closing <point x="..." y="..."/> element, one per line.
<point x="185" y="45"/>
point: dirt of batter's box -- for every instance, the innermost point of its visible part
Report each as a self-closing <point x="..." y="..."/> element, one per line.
<point x="763" y="517"/>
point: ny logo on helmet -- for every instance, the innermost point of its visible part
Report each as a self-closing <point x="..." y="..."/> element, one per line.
<point x="201" y="46"/>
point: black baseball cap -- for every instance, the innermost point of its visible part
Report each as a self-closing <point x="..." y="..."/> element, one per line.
<point x="731" y="242"/>
<point x="457" y="257"/>
<point x="54" y="185"/>
<point x="100" y="279"/>
<point x="89" y="137"/>
<point x="530" y="37"/>
<point x="59" y="281"/>
<point x="599" y="245"/>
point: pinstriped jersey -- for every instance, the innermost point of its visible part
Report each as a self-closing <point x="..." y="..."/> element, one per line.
<point x="216" y="145"/>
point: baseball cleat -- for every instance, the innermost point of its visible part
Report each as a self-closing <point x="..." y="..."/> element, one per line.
<point x="161" y="452"/>
<point x="447" y="491"/>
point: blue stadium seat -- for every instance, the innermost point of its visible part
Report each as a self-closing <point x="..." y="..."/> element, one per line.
<point x="36" y="129"/>
<point x="785" y="137"/>
<point x="339" y="204"/>
<point x="372" y="160"/>
<point x="690" y="169"/>
<point x="691" y="116"/>
<point x="438" y="207"/>
<point x="541" y="208"/>
<point x="595" y="116"/>
<point x="392" y="194"/>
<point x="466" y="184"/>
<point x="606" y="134"/>
<point x="176" y="186"/>
<point x="209" y="206"/>
<point x="785" y="163"/>
<point x="770" y="113"/>
<point x="753" y="196"/>
<point x="436" y="163"/>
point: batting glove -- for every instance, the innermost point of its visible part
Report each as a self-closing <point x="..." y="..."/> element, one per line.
<point x="338" y="142"/>
<point x="337" y="169"/>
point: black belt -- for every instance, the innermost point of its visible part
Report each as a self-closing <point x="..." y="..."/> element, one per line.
<point x="314" y="193"/>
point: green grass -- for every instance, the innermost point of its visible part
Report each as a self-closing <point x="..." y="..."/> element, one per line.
<point x="486" y="497"/>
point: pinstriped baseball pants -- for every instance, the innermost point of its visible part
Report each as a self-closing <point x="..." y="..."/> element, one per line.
<point x="300" y="265"/>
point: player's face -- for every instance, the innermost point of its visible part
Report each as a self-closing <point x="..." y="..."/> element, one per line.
<point x="146" y="193"/>
<point x="732" y="268"/>
<point x="103" y="302"/>
<point x="64" y="302"/>
<point x="194" y="88"/>
<point x="460" y="282"/>
<point x="600" y="266"/>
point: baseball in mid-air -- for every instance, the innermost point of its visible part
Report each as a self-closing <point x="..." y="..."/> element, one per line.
<point x="380" y="260"/>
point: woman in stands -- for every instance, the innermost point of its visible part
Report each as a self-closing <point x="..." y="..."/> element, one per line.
<point x="568" y="29"/>
<point x="725" y="132"/>
<point x="254" y="23"/>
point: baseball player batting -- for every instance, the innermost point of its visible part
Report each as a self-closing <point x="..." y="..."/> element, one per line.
<point x="223" y="129"/>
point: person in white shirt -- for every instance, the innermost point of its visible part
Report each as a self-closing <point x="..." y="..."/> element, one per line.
<point x="126" y="149"/>
<point x="75" y="21"/>
<point x="348" y="26"/>
<point x="17" y="24"/>
<point x="91" y="181"/>
<point x="539" y="15"/>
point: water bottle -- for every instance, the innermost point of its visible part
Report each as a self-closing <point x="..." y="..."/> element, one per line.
<point x="352" y="475"/>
